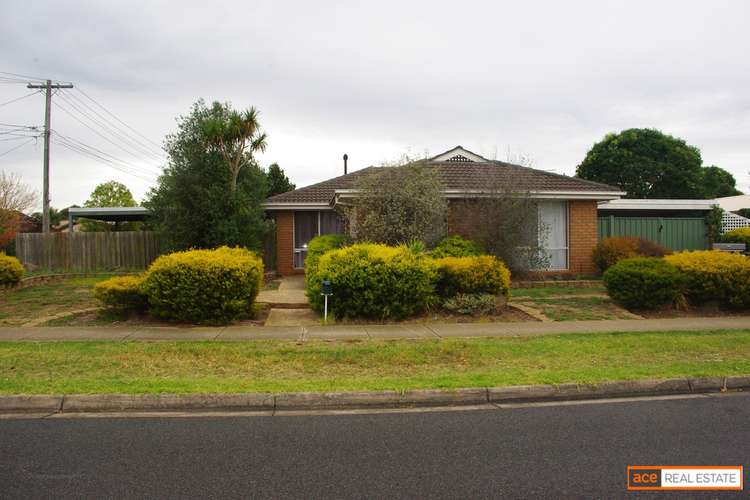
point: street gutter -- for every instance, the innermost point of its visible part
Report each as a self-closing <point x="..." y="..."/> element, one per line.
<point x="313" y="401"/>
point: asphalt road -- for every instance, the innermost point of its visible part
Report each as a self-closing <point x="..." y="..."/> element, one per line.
<point x="578" y="451"/>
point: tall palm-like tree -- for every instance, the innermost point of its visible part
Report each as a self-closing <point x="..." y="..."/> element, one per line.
<point x="236" y="135"/>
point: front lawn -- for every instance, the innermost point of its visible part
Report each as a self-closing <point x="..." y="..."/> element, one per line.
<point x="21" y="306"/>
<point x="566" y="304"/>
<point x="265" y="366"/>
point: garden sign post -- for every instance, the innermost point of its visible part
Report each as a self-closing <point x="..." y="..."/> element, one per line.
<point x="325" y="291"/>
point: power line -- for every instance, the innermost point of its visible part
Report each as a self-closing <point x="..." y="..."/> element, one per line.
<point x="116" y="118"/>
<point x="98" y="154"/>
<point x="96" y="131"/>
<point x="19" y="98"/>
<point x="112" y="129"/>
<point x="19" y="146"/>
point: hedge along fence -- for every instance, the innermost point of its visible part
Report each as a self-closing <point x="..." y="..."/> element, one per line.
<point x="88" y="251"/>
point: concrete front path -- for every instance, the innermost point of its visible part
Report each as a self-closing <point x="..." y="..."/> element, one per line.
<point x="345" y="332"/>
<point x="290" y="294"/>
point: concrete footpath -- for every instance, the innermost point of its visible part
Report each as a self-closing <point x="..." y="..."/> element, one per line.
<point x="363" y="332"/>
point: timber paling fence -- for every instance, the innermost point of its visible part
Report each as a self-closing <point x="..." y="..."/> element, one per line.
<point x="94" y="251"/>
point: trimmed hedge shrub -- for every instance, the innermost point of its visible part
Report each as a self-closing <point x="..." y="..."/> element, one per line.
<point x="739" y="235"/>
<point x="122" y="293"/>
<point x="483" y="274"/>
<point x="316" y="248"/>
<point x="644" y="283"/>
<point x="715" y="276"/>
<point x="609" y="251"/>
<point x="456" y="246"/>
<point x="11" y="270"/>
<point x="374" y="281"/>
<point x="204" y="286"/>
<point x="475" y="304"/>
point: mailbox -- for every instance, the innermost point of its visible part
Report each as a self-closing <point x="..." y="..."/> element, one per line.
<point x="326" y="288"/>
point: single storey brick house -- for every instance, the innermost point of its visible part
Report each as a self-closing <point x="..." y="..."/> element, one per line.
<point x="567" y="208"/>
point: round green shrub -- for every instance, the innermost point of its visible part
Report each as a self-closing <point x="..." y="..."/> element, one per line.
<point x="456" y="246"/>
<point x="11" y="270"/>
<point x="713" y="276"/>
<point x="644" y="283"/>
<point x="482" y="274"/>
<point x="204" y="286"/>
<point x="375" y="281"/>
<point x="122" y="293"/>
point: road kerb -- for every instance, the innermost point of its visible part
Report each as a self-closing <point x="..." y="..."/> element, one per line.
<point x="81" y="403"/>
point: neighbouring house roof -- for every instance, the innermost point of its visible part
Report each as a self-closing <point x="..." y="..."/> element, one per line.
<point x="657" y="205"/>
<point x="110" y="213"/>
<point x="734" y="203"/>
<point x="463" y="173"/>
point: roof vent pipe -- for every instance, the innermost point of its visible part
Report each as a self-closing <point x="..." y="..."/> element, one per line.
<point x="346" y="157"/>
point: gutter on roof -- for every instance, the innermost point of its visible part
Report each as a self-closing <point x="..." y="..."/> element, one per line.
<point x="477" y="193"/>
<point x="657" y="205"/>
<point x="318" y="205"/>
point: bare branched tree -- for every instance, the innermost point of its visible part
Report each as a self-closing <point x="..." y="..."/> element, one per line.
<point x="505" y="220"/>
<point x="15" y="198"/>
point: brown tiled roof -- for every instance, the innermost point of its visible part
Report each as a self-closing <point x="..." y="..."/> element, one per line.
<point x="456" y="176"/>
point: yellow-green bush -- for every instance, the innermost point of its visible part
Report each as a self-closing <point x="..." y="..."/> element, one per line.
<point x="456" y="246"/>
<point x="11" y="270"/>
<point x="482" y="274"/>
<point x="739" y="235"/>
<point x="122" y="293"/>
<point x="204" y="286"/>
<point x="715" y="276"/>
<point x="317" y="247"/>
<point x="375" y="281"/>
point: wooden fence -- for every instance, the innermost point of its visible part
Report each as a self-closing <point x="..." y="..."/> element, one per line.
<point x="88" y="251"/>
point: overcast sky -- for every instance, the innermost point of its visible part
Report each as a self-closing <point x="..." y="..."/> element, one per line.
<point x="376" y="79"/>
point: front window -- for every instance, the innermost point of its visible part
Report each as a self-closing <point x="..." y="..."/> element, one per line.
<point x="553" y="234"/>
<point x="310" y="223"/>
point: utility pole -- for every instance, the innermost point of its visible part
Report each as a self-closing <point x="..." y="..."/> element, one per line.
<point x="47" y="111"/>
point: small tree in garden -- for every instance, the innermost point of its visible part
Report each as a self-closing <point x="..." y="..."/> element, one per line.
<point x="399" y="204"/>
<point x="15" y="198"/>
<point x="278" y="182"/>
<point x="505" y="222"/>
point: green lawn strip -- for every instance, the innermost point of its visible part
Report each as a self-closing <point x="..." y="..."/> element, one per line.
<point x="26" y="304"/>
<point x="281" y="366"/>
<point x="575" y="308"/>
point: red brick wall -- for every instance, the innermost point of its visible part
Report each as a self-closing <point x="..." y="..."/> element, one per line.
<point x="285" y="242"/>
<point x="583" y="235"/>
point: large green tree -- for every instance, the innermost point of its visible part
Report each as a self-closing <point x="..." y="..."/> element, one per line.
<point x="203" y="199"/>
<point x="718" y="183"/>
<point x="109" y="194"/>
<point x="645" y="163"/>
<point x="278" y="182"/>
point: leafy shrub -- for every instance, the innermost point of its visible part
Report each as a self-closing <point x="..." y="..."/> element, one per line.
<point x="483" y="274"/>
<point x="456" y="246"/>
<point x="609" y="251"/>
<point x="739" y="235"/>
<point x="644" y="283"/>
<point x="715" y="276"/>
<point x="374" y="281"/>
<point x="122" y="293"/>
<point x="11" y="270"/>
<point x="475" y="304"/>
<point x="204" y="286"/>
<point x="316" y="248"/>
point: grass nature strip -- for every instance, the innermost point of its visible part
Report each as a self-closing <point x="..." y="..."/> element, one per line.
<point x="280" y="366"/>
